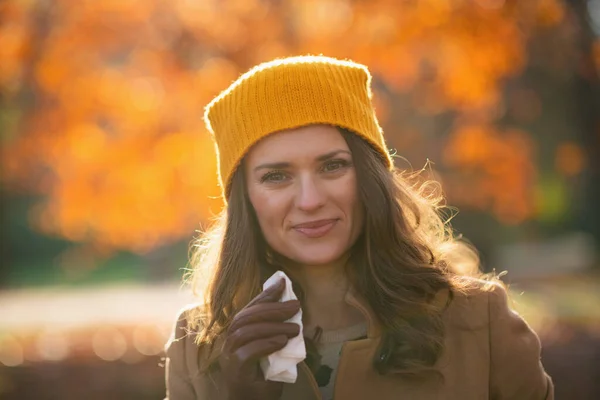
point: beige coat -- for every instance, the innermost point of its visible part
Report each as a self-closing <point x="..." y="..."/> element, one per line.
<point x="490" y="353"/>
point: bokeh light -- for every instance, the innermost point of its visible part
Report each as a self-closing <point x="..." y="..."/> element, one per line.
<point x="109" y="344"/>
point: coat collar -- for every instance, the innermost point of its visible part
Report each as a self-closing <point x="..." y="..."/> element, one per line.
<point x="354" y="299"/>
<point x="374" y="327"/>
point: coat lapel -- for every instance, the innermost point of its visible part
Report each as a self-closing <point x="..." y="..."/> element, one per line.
<point x="305" y="387"/>
<point x="358" y="380"/>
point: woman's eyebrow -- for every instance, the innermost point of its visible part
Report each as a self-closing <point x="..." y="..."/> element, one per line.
<point x="332" y="154"/>
<point x="283" y="164"/>
<point x="275" y="165"/>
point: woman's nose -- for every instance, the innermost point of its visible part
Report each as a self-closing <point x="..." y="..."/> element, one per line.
<point x="310" y="195"/>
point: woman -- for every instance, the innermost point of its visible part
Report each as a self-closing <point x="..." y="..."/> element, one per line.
<point x="388" y="311"/>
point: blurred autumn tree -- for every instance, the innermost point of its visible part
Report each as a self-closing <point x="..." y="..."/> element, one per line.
<point x="102" y="100"/>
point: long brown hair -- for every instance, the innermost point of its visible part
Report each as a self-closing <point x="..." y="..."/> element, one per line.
<point x="405" y="254"/>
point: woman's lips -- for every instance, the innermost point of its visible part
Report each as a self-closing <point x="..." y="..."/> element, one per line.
<point x="315" y="229"/>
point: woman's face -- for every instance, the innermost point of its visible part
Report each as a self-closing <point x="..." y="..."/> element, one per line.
<point x="302" y="185"/>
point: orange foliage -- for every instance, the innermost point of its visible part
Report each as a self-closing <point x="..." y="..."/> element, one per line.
<point x="113" y="136"/>
<point x="570" y="159"/>
<point x="499" y="171"/>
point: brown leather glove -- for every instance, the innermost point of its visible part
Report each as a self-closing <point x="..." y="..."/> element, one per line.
<point x="257" y="331"/>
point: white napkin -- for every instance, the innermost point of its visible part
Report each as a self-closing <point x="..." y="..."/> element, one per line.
<point x="281" y="365"/>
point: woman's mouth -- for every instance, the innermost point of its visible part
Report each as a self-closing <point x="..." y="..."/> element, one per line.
<point x="316" y="229"/>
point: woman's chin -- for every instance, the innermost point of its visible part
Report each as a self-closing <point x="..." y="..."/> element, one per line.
<point x="318" y="259"/>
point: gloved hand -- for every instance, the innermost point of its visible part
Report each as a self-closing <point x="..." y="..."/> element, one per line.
<point x="257" y="331"/>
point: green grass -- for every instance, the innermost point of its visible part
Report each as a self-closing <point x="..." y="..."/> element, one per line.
<point x="123" y="267"/>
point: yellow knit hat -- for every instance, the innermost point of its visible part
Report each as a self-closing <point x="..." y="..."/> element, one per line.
<point x="289" y="93"/>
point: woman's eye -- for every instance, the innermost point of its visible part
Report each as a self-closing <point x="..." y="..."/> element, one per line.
<point x="334" y="165"/>
<point x="273" y="177"/>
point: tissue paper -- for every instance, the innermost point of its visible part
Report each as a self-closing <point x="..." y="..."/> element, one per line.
<point x="281" y="366"/>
